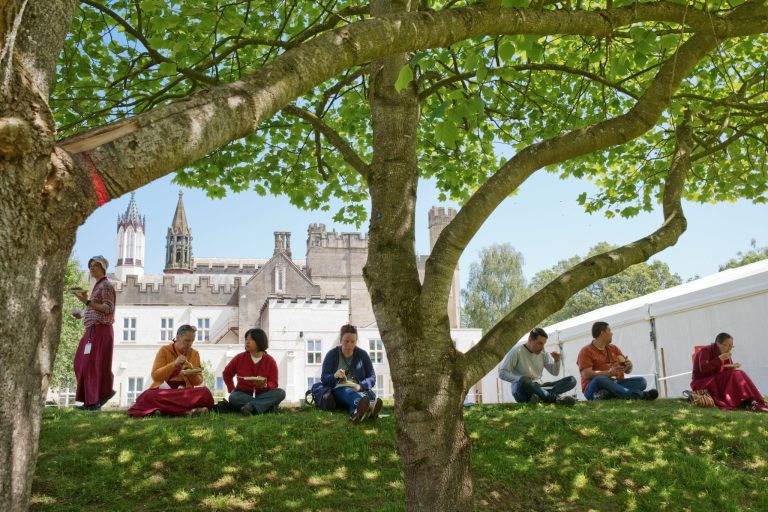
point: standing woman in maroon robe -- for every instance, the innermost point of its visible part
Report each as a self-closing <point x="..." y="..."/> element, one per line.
<point x="93" y="358"/>
<point x="715" y="371"/>
<point x="178" y="366"/>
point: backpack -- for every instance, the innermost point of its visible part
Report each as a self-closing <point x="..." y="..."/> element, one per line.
<point x="321" y="396"/>
<point x="700" y="398"/>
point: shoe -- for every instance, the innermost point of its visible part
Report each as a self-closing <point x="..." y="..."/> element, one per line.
<point x="275" y="409"/>
<point x="248" y="409"/>
<point x="198" y="411"/>
<point x="105" y="400"/>
<point x="375" y="409"/>
<point x="156" y="414"/>
<point x="535" y="399"/>
<point x="88" y="407"/>
<point x="651" y="394"/>
<point x="756" y="406"/>
<point x="602" y="394"/>
<point x="362" y="410"/>
<point x="565" y="400"/>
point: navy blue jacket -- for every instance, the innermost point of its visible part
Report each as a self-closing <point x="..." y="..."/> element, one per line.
<point x="361" y="365"/>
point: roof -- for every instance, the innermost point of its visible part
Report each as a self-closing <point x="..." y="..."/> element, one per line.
<point x="715" y="288"/>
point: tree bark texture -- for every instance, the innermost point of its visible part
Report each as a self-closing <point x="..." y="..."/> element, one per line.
<point x="432" y="440"/>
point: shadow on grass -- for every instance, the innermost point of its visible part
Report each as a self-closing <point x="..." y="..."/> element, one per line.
<point x="612" y="455"/>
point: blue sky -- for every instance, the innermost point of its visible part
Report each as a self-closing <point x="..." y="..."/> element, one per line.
<point x="542" y="221"/>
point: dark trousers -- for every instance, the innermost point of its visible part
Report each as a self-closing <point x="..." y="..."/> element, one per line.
<point x="525" y="388"/>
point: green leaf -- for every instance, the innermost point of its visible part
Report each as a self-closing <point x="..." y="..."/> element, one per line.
<point x="167" y="68"/>
<point x="404" y="78"/>
<point x="506" y="50"/>
<point x="519" y="4"/>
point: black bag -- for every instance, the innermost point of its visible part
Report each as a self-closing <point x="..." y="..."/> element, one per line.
<point x="321" y="396"/>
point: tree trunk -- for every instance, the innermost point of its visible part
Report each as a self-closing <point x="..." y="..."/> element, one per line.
<point x="432" y="441"/>
<point x="42" y="207"/>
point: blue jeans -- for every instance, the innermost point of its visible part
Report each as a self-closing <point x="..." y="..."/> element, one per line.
<point x="632" y="387"/>
<point x="262" y="402"/>
<point x="345" y="395"/>
<point x="525" y="388"/>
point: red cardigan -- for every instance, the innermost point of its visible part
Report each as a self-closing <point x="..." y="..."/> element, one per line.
<point x="243" y="366"/>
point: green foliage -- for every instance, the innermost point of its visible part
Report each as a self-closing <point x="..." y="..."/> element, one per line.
<point x="636" y="281"/>
<point x="71" y="329"/>
<point x="745" y="258"/>
<point x="496" y="285"/>
<point x="482" y="100"/>
<point x="664" y="455"/>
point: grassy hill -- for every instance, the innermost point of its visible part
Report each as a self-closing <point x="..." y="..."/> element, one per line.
<point x="602" y="456"/>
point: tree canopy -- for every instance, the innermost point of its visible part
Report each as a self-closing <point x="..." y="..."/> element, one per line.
<point x="653" y="101"/>
<point x="753" y="255"/>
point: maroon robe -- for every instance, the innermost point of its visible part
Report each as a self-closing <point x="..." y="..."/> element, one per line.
<point x="93" y="371"/>
<point x="729" y="387"/>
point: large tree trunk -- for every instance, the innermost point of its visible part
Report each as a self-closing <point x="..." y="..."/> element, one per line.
<point x="37" y="232"/>
<point x="432" y="441"/>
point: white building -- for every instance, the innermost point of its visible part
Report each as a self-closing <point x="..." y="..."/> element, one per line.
<point x="301" y="304"/>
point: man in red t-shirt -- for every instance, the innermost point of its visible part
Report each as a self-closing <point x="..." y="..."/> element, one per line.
<point x="602" y="366"/>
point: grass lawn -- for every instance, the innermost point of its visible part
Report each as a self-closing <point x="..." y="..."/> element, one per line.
<point x="601" y="456"/>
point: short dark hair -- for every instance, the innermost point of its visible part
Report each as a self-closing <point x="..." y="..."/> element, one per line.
<point x="722" y="337"/>
<point x="184" y="329"/>
<point x="598" y="328"/>
<point x="536" y="332"/>
<point x="347" y="329"/>
<point x="259" y="337"/>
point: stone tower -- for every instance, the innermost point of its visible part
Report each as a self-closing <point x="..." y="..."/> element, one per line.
<point x="178" y="243"/>
<point x="439" y="218"/>
<point x="131" y="230"/>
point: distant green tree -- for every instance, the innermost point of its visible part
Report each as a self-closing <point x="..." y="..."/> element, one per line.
<point x="752" y="256"/>
<point x="496" y="285"/>
<point x="635" y="281"/>
<point x="63" y="375"/>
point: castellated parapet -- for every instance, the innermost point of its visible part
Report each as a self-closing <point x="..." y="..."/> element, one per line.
<point x="438" y="218"/>
<point x="176" y="289"/>
<point x="317" y="236"/>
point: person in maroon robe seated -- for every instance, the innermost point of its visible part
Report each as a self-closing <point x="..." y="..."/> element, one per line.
<point x="715" y="371"/>
<point x="177" y="365"/>
<point x="256" y="391"/>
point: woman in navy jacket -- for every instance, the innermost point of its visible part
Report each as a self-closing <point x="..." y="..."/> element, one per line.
<point x="349" y="371"/>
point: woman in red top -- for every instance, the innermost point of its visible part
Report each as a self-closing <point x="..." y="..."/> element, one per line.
<point x="256" y="391"/>
<point x="730" y="387"/>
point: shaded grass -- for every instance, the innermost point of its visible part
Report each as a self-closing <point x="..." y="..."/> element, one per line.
<point x="599" y="456"/>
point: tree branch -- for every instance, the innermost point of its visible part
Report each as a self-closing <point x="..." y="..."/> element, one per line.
<point x="345" y="149"/>
<point x="492" y="347"/>
<point x="176" y="135"/>
<point x="639" y="119"/>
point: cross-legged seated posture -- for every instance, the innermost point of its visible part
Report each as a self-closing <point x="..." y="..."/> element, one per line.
<point x="603" y="366"/>
<point x="524" y="365"/>
<point x="256" y="391"/>
<point x="715" y="371"/>
<point x="349" y="371"/>
<point x="177" y="365"/>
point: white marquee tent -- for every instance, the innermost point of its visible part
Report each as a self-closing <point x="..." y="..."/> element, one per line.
<point x="659" y="331"/>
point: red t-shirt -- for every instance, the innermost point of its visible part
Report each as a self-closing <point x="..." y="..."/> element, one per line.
<point x="598" y="360"/>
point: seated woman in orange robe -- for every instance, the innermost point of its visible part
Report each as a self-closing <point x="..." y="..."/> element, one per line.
<point x="730" y="387"/>
<point x="178" y="365"/>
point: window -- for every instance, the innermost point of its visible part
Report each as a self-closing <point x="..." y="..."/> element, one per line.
<point x="279" y="280"/>
<point x="314" y="351"/>
<point x="203" y="329"/>
<point x="135" y="387"/>
<point x="129" y="330"/>
<point x="380" y="387"/>
<point x="376" y="350"/>
<point x="166" y="329"/>
<point x="311" y="381"/>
